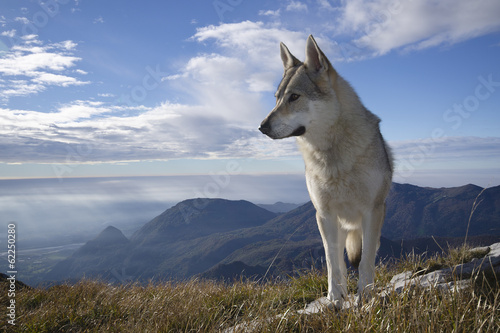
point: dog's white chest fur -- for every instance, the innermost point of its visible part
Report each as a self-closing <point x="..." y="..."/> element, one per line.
<point x="334" y="185"/>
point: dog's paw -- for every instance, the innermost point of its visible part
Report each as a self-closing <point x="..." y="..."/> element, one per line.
<point x="336" y="304"/>
<point x="365" y="300"/>
<point x="320" y="305"/>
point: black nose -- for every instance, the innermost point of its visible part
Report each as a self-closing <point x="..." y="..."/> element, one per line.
<point x="265" y="127"/>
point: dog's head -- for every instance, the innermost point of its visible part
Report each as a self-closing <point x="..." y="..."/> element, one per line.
<point x="305" y="90"/>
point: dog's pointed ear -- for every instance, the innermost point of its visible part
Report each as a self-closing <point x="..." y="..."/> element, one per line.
<point x="288" y="59"/>
<point x="316" y="60"/>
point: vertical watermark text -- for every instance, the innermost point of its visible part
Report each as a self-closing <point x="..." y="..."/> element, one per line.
<point x="11" y="273"/>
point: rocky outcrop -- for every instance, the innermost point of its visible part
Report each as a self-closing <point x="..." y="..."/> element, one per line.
<point x="447" y="279"/>
<point x="450" y="278"/>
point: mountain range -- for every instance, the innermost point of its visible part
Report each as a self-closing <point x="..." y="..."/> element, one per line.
<point x="223" y="239"/>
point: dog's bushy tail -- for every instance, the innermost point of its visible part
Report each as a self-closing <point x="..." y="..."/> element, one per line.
<point x="353" y="247"/>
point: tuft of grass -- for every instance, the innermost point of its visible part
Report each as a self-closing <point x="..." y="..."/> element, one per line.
<point x="208" y="306"/>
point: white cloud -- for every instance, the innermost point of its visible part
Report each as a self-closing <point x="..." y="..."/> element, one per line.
<point x="58" y="80"/>
<point x="256" y="45"/>
<point x="31" y="39"/>
<point x="261" y="82"/>
<point x="80" y="71"/>
<point x="9" y="33"/>
<point x="26" y="120"/>
<point x="274" y="13"/>
<point x="296" y="6"/>
<point x="27" y="64"/>
<point x="214" y="67"/>
<point x="20" y="88"/>
<point x="217" y="83"/>
<point x="174" y="77"/>
<point x="383" y="25"/>
<point x="30" y="67"/>
<point x="98" y="20"/>
<point x="324" y="4"/>
<point x="23" y="20"/>
<point x="257" y="42"/>
<point x="66" y="45"/>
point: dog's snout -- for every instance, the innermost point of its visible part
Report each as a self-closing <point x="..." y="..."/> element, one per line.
<point x="265" y="127"/>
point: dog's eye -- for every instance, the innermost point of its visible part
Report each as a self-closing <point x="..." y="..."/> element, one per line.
<point x="293" y="97"/>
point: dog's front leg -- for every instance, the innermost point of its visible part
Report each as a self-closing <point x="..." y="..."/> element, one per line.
<point x="334" y="242"/>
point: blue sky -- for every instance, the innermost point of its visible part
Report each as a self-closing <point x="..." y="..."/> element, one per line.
<point x="129" y="88"/>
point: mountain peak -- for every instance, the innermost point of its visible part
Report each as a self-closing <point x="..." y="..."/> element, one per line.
<point x="110" y="235"/>
<point x="192" y="209"/>
<point x="199" y="217"/>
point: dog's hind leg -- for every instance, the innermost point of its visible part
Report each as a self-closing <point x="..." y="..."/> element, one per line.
<point x="372" y="227"/>
<point x="334" y="241"/>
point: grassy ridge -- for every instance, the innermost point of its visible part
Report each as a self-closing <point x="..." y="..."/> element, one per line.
<point x="206" y="306"/>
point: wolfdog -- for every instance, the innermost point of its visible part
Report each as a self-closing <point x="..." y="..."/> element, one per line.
<point x="347" y="163"/>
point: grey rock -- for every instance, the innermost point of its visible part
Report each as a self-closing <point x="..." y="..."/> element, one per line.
<point x="451" y="278"/>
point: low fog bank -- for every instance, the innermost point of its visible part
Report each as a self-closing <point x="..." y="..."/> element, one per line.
<point x="51" y="212"/>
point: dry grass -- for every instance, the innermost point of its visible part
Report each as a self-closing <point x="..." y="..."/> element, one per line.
<point x="204" y="306"/>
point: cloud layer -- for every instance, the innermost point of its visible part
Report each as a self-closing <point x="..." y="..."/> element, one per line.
<point x="88" y="131"/>
<point x="225" y="107"/>
<point x="228" y="89"/>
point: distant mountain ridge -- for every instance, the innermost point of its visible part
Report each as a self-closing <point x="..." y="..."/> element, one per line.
<point x="217" y="238"/>
<point x="414" y="212"/>
<point x="279" y="207"/>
